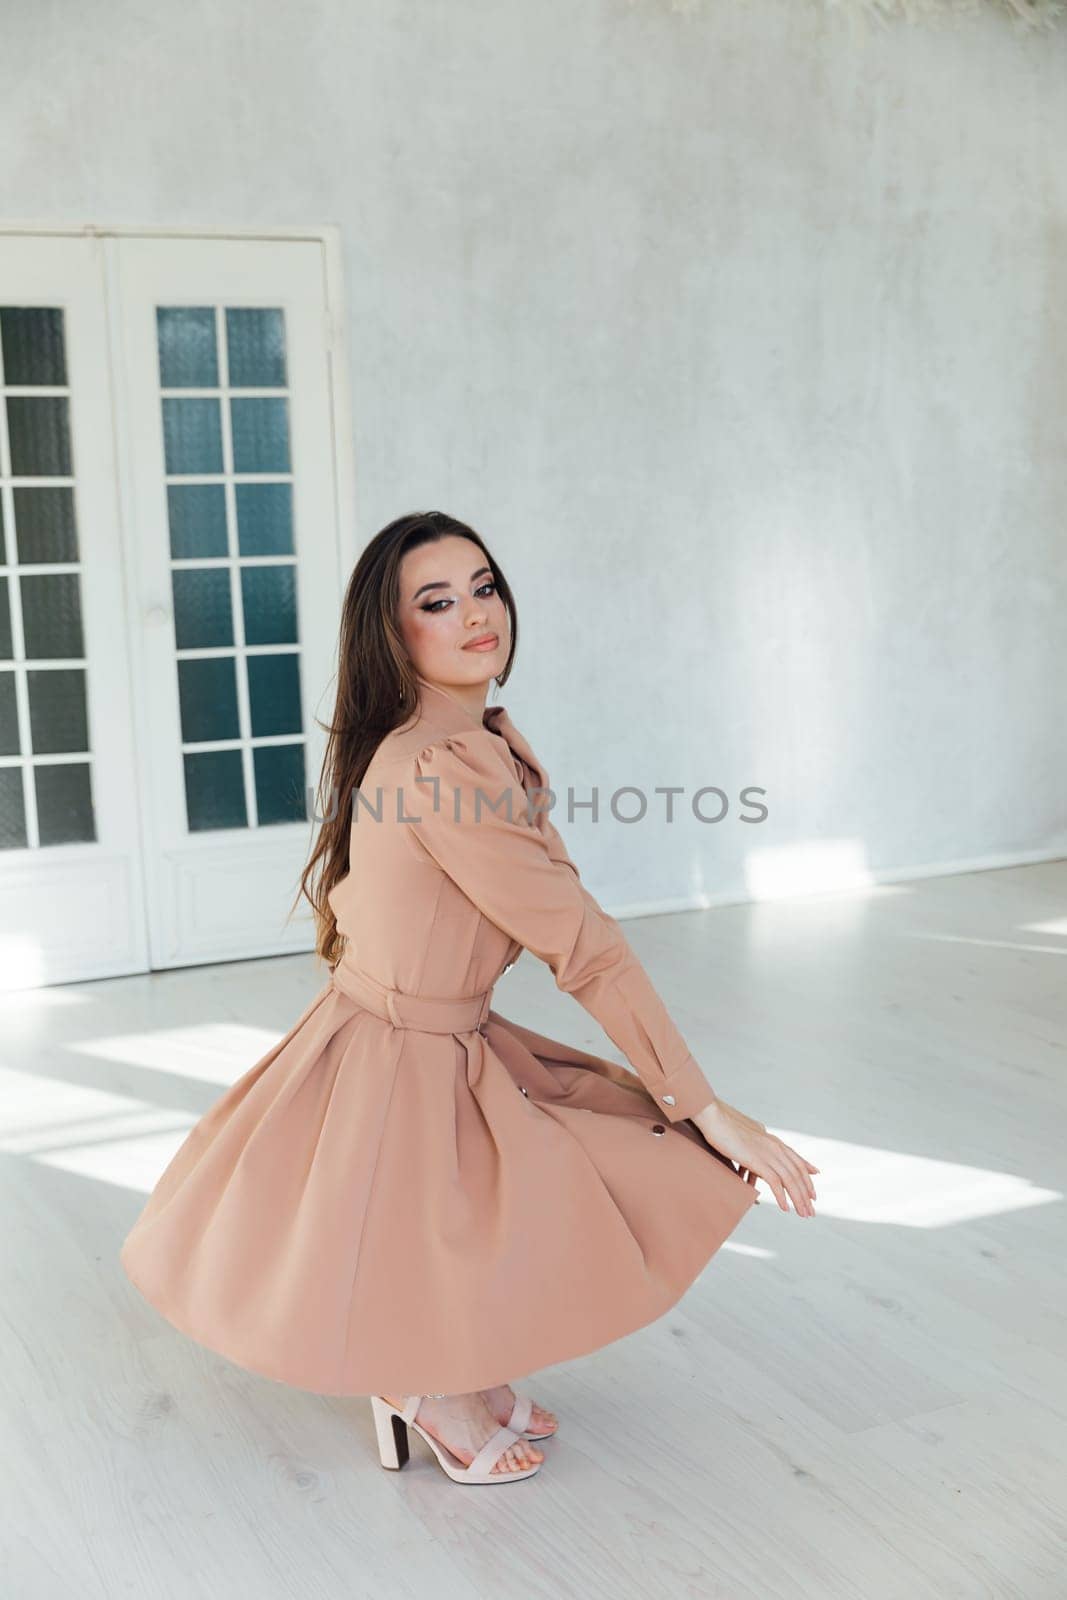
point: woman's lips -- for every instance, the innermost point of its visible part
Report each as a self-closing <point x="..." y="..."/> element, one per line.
<point x="483" y="644"/>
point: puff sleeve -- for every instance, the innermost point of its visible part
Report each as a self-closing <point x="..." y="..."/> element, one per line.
<point x="471" y="816"/>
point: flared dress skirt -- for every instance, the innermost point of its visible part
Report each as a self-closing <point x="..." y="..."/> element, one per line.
<point x="380" y="1209"/>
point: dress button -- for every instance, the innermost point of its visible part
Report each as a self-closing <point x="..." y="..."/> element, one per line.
<point x="523" y="1090"/>
<point x="668" y="1099"/>
<point x="657" y="1127"/>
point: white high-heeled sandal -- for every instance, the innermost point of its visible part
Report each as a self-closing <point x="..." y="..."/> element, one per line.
<point x="391" y="1424"/>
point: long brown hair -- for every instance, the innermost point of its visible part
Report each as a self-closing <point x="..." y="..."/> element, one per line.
<point x="377" y="690"/>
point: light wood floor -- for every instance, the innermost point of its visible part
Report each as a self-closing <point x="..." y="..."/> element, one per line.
<point x="869" y="1404"/>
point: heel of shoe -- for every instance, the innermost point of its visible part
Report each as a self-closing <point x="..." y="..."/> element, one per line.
<point x="392" y="1433"/>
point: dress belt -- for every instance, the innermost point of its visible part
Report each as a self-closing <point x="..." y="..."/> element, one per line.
<point x="424" y="1013"/>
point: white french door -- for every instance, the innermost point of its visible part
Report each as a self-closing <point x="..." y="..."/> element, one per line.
<point x="72" y="892"/>
<point x="172" y="577"/>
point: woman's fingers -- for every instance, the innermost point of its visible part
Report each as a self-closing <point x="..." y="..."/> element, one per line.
<point x="785" y="1180"/>
<point x="799" y="1185"/>
<point x="777" y="1188"/>
<point x="801" y="1204"/>
<point x="794" y="1171"/>
<point x="798" y="1168"/>
<point x="804" y="1168"/>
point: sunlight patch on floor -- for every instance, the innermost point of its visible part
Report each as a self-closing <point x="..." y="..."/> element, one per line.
<point x="862" y="1183"/>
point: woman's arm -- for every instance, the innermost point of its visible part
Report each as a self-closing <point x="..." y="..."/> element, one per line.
<point x="475" y="823"/>
<point x="519" y="875"/>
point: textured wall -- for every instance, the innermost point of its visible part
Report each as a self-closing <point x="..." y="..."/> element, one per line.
<point x="742" y="334"/>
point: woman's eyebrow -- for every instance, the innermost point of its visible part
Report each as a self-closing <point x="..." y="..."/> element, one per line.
<point x="482" y="571"/>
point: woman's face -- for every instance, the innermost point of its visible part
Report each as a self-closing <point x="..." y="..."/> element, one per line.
<point x="448" y="601"/>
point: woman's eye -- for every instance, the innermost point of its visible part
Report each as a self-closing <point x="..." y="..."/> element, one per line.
<point x="488" y="587"/>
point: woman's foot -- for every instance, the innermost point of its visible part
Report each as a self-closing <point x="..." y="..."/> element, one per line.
<point x="463" y="1423"/>
<point x="501" y="1402"/>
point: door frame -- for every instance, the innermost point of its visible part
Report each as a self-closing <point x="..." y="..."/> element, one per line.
<point x="341" y="448"/>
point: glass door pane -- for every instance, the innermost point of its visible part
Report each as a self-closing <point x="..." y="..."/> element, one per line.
<point x="46" y="788"/>
<point x="223" y="384"/>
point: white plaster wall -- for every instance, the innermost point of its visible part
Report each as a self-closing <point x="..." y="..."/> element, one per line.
<point x="741" y="334"/>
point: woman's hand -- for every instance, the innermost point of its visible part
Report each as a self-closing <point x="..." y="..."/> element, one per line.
<point x="759" y="1154"/>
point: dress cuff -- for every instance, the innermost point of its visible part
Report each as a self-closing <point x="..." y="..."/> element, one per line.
<point x="684" y="1092"/>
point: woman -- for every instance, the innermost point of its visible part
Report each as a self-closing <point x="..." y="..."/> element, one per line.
<point x="408" y="1188"/>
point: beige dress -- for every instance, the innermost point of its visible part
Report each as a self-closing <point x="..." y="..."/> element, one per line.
<point x="409" y="1192"/>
